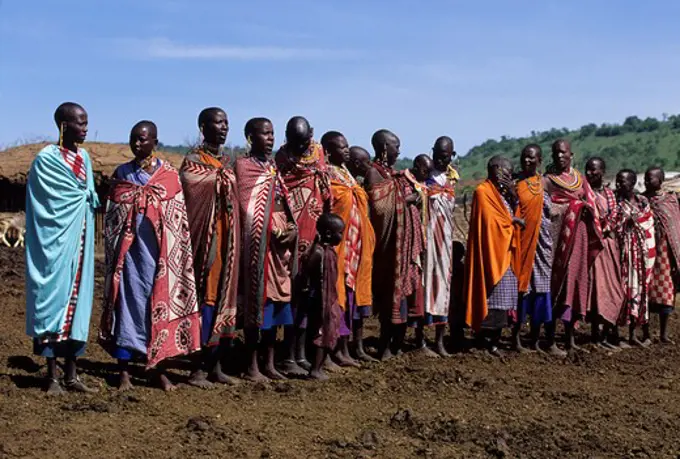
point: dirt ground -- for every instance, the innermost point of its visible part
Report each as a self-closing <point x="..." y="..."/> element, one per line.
<point x="471" y="405"/>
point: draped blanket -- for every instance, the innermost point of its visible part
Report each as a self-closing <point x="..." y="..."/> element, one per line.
<point x="578" y="212"/>
<point x="667" y="220"/>
<point x="308" y="185"/>
<point x="58" y="207"/>
<point x="399" y="244"/>
<point x="212" y="199"/>
<point x="634" y="226"/>
<point x="350" y="202"/>
<point x="175" y="318"/>
<point x="492" y="248"/>
<point x="257" y="184"/>
<point x="438" y="268"/>
<point x="530" y="209"/>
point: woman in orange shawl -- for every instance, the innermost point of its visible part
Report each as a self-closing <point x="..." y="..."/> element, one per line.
<point x="355" y="252"/>
<point x="535" y="255"/>
<point x="211" y="197"/>
<point x="492" y="255"/>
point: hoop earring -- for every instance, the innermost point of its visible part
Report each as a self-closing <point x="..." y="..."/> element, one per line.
<point x="61" y="135"/>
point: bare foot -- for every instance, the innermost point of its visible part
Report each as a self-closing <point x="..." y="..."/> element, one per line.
<point x="223" y="378"/>
<point x="609" y="346"/>
<point x="290" y="368"/>
<point x="666" y="340"/>
<point x="427" y="352"/>
<point x="624" y="345"/>
<point x="521" y="349"/>
<point x="318" y="375"/>
<point x="331" y="366"/>
<point x="441" y="351"/>
<point x="255" y="376"/>
<point x="537" y="348"/>
<point x="556" y="351"/>
<point x="346" y="361"/>
<point x="200" y="379"/>
<point x="635" y="342"/>
<point x="386" y="355"/>
<point x="53" y="387"/>
<point x="646" y="343"/>
<point x="304" y="364"/>
<point x="76" y="385"/>
<point x="364" y="357"/>
<point x="576" y="348"/>
<point x="165" y="383"/>
<point x="271" y="373"/>
<point x="125" y="382"/>
<point x="494" y="351"/>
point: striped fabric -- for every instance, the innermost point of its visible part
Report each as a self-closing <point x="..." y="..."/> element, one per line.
<point x="75" y="162"/>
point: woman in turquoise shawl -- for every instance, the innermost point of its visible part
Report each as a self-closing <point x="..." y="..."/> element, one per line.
<point x="60" y="205"/>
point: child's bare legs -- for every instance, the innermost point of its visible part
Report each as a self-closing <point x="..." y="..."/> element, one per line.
<point x="316" y="371"/>
<point x="294" y="344"/>
<point x="253" y="373"/>
<point x="663" y="325"/>
<point x="421" y="341"/>
<point x="342" y="355"/>
<point x="124" y="379"/>
<point x="439" y="348"/>
<point x="359" y="341"/>
<point x="269" y="340"/>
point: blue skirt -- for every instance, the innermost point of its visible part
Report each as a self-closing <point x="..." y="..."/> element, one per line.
<point x="62" y="349"/>
<point x="538" y="306"/>
<point x="276" y="314"/>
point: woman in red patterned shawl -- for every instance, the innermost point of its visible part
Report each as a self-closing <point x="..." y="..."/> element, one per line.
<point x="269" y="248"/>
<point x="150" y="310"/>
<point x="576" y="235"/>
<point x="302" y="166"/>
<point x="667" y="231"/>
<point x="634" y="226"/>
<point x="394" y="270"/>
<point x="606" y="289"/>
<point x="211" y="196"/>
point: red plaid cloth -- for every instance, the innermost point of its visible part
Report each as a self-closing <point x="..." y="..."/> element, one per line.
<point x="662" y="290"/>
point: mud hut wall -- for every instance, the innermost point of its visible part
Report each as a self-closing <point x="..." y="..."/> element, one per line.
<point x="12" y="196"/>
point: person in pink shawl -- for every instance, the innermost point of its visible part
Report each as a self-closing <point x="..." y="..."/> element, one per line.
<point x="667" y="234"/>
<point x="577" y="239"/>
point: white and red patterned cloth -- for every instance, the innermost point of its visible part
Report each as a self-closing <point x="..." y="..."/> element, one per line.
<point x="175" y="317"/>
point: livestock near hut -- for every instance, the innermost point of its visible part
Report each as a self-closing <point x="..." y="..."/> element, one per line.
<point x="12" y="228"/>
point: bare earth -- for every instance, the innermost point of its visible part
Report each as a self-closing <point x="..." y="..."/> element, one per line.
<point x="471" y="405"/>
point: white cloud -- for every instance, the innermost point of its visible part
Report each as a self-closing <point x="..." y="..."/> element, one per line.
<point x="163" y="48"/>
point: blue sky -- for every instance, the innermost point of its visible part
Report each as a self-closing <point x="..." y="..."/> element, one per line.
<point x="468" y="69"/>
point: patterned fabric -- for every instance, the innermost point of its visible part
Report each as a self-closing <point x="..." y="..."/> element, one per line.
<point x="308" y="185"/>
<point x="355" y="252"/>
<point x="667" y="232"/>
<point x="399" y="244"/>
<point x="503" y="296"/>
<point x="211" y="198"/>
<point x="542" y="272"/>
<point x="257" y="184"/>
<point x="75" y="162"/>
<point x="438" y="267"/>
<point x="634" y="226"/>
<point x="577" y="240"/>
<point x="662" y="288"/>
<point x="175" y="318"/>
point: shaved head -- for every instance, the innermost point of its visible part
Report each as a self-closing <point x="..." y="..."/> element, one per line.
<point x="207" y="113"/>
<point x="149" y="125"/>
<point x="359" y="153"/>
<point x="380" y="138"/>
<point x="66" y="112"/>
<point x="443" y="143"/>
<point x="422" y="167"/>
<point x="359" y="161"/>
<point x="299" y="135"/>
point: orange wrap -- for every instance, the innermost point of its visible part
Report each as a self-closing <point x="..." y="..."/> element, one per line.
<point x="492" y="247"/>
<point x="212" y="286"/>
<point x="343" y="198"/>
<point x="531" y="211"/>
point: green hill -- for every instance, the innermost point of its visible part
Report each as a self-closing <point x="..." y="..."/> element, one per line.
<point x="635" y="144"/>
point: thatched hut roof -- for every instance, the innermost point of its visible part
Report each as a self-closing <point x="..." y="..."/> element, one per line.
<point x="15" y="162"/>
